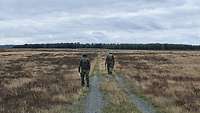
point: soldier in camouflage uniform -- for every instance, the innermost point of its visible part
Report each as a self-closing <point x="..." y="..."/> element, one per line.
<point x="84" y="69"/>
<point x="110" y="62"/>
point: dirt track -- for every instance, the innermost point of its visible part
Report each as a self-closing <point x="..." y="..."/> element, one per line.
<point x="142" y="105"/>
<point x="94" y="100"/>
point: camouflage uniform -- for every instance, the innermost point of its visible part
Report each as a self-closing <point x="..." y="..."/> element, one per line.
<point x="110" y="62"/>
<point x="84" y="70"/>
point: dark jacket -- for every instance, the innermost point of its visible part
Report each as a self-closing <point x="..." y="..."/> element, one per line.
<point x="84" y="64"/>
<point x="110" y="60"/>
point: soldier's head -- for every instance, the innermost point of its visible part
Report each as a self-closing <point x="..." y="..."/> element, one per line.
<point x="84" y="55"/>
<point x="110" y="53"/>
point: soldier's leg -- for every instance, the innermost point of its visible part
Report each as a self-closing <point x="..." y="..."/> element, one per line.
<point x="82" y="79"/>
<point x="88" y="80"/>
<point x="108" y="69"/>
<point x="111" y="69"/>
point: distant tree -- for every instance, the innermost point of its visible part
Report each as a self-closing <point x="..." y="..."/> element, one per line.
<point x="155" y="46"/>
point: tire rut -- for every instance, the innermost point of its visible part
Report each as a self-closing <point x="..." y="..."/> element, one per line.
<point x="142" y="105"/>
<point x="94" y="100"/>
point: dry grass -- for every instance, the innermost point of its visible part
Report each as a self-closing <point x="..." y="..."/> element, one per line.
<point x="116" y="95"/>
<point x="37" y="81"/>
<point x="116" y="99"/>
<point x="170" y="79"/>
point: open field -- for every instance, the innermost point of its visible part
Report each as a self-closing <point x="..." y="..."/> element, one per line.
<point x="34" y="81"/>
<point x="171" y="80"/>
<point x="47" y="81"/>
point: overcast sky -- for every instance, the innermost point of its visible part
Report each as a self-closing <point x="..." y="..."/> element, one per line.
<point x="100" y="21"/>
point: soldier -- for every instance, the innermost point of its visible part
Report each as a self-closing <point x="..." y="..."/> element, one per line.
<point x="84" y="69"/>
<point x="110" y="62"/>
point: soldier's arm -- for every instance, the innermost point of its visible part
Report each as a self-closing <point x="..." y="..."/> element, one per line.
<point x="79" y="68"/>
<point x="113" y="60"/>
<point x="106" y="61"/>
<point x="89" y="64"/>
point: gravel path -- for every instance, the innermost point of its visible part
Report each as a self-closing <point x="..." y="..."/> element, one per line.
<point x="94" y="100"/>
<point x="142" y="105"/>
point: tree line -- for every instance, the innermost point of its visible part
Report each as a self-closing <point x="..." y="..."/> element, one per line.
<point x="155" y="46"/>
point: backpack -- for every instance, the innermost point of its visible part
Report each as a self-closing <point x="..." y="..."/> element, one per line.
<point x="110" y="59"/>
<point x="85" y="63"/>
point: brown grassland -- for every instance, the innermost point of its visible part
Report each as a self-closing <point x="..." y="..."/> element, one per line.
<point x="170" y="80"/>
<point x="47" y="80"/>
<point x="39" y="81"/>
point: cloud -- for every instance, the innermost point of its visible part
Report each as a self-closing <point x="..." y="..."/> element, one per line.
<point x="105" y="21"/>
